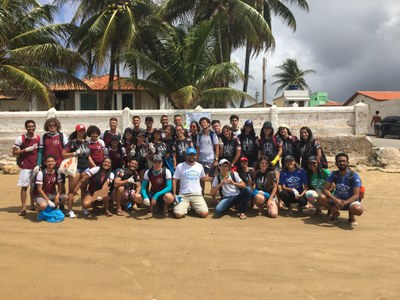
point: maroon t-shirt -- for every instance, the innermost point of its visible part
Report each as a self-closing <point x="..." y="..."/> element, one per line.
<point x="27" y="159"/>
<point x="48" y="183"/>
<point x="97" y="151"/>
<point x="51" y="145"/>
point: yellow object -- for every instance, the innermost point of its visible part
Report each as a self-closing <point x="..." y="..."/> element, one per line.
<point x="276" y="159"/>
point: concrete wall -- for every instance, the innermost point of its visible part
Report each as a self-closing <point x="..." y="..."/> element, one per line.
<point x="386" y="108"/>
<point x="348" y="121"/>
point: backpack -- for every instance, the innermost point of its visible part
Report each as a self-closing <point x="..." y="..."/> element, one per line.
<point x="33" y="182"/>
<point x="351" y="181"/>
<point x="23" y="146"/>
<point x="210" y="134"/>
<point x="232" y="174"/>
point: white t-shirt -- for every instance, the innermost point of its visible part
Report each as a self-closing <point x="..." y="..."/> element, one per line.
<point x="94" y="170"/>
<point x="189" y="177"/>
<point x="228" y="190"/>
<point x="206" y="144"/>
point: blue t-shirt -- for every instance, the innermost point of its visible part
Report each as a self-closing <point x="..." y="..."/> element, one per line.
<point x="294" y="180"/>
<point x="344" y="190"/>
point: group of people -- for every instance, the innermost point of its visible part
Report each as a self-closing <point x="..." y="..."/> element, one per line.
<point x="167" y="167"/>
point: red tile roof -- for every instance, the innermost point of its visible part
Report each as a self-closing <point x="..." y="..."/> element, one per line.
<point x="99" y="83"/>
<point x="3" y="97"/>
<point x="332" y="103"/>
<point x="376" y="95"/>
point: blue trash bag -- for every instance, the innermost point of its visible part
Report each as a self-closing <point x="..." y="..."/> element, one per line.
<point x="52" y="215"/>
<point x="169" y="162"/>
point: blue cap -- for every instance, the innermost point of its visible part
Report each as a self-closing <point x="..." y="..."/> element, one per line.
<point x="248" y="123"/>
<point x="191" y="150"/>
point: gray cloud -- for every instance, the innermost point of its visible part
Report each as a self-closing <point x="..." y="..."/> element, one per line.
<point x="353" y="45"/>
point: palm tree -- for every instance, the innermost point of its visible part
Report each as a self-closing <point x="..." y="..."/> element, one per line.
<point x="31" y="52"/>
<point x="106" y="29"/>
<point x="255" y="44"/>
<point x="180" y="63"/>
<point x="291" y="76"/>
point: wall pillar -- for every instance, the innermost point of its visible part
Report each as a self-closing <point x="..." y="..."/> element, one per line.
<point x="125" y="122"/>
<point x="360" y="119"/>
<point x="274" y="116"/>
<point x="51" y="113"/>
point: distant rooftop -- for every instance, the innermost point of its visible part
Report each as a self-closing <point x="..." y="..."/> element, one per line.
<point x="98" y="83"/>
<point x="376" y="95"/>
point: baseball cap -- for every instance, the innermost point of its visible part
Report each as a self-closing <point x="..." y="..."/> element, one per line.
<point x="312" y="158"/>
<point x="267" y="124"/>
<point x="80" y="127"/>
<point x="190" y="151"/>
<point x="289" y="158"/>
<point x="223" y="161"/>
<point x="283" y="126"/>
<point x="244" y="158"/>
<point x="248" y="123"/>
<point x="157" y="157"/>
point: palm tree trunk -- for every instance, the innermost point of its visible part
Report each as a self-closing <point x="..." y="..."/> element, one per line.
<point x="246" y="72"/>
<point x="110" y="89"/>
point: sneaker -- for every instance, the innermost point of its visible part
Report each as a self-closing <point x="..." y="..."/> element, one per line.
<point x="353" y="222"/>
<point x="85" y="212"/>
<point x="71" y="214"/>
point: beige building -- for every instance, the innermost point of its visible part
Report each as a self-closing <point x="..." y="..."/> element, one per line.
<point x="69" y="97"/>
<point x="299" y="98"/>
<point x="386" y="102"/>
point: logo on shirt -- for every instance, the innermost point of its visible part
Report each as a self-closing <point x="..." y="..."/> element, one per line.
<point x="191" y="175"/>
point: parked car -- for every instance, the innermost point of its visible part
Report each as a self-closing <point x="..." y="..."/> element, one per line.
<point x="390" y="126"/>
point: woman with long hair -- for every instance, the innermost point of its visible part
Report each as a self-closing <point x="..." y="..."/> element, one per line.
<point x="231" y="148"/>
<point x="99" y="177"/>
<point x="180" y="146"/>
<point x="294" y="184"/>
<point x="249" y="142"/>
<point x="116" y="153"/>
<point x="265" y="187"/>
<point x="77" y="146"/>
<point x="289" y="143"/>
<point x="194" y="130"/>
<point x="309" y="146"/>
<point x="268" y="144"/>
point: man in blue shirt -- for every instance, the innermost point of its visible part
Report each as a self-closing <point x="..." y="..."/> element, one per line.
<point x="347" y="190"/>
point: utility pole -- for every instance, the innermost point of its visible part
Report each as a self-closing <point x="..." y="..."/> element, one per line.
<point x="257" y="94"/>
<point x="264" y="89"/>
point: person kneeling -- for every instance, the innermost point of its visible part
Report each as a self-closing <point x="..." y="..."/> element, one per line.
<point x="229" y="185"/>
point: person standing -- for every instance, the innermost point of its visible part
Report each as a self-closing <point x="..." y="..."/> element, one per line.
<point x="26" y="150"/>
<point x="188" y="174"/>
<point x="107" y="135"/>
<point x="207" y="147"/>
<point x="376" y="121"/>
<point x="234" y="120"/>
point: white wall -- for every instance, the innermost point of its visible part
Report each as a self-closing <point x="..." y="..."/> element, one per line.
<point x="324" y="121"/>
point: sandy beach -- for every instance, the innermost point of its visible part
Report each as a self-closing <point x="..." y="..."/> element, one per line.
<point x="134" y="257"/>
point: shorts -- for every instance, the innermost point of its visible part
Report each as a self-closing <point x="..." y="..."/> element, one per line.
<point x="38" y="200"/>
<point x="347" y="206"/>
<point x="128" y="194"/>
<point x="209" y="168"/>
<point x="25" y="177"/>
<point x="197" y="202"/>
<point x="159" y="199"/>
<point x="82" y="170"/>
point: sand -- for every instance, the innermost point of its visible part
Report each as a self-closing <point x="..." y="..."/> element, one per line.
<point x="132" y="257"/>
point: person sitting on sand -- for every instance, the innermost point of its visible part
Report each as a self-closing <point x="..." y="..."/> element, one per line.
<point x="266" y="186"/>
<point x="347" y="190"/>
<point x="157" y="186"/>
<point x="127" y="185"/>
<point x="233" y="190"/>
<point x="188" y="175"/>
<point x="47" y="186"/>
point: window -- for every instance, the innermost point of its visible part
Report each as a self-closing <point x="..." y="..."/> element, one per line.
<point x="88" y="102"/>
<point x="127" y="101"/>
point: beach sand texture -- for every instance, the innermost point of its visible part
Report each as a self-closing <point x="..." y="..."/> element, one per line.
<point x="298" y="257"/>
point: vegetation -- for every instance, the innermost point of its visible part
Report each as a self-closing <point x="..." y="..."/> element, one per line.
<point x="181" y="49"/>
<point x="32" y="55"/>
<point x="291" y="75"/>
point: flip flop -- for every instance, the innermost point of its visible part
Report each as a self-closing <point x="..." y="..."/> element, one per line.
<point x="22" y="213"/>
<point x="120" y="213"/>
<point x="108" y="214"/>
<point x="242" y="216"/>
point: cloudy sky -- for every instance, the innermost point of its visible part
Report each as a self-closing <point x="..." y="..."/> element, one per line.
<point x="351" y="44"/>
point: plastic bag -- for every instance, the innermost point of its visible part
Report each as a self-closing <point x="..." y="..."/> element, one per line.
<point x="51" y="215"/>
<point x="68" y="166"/>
